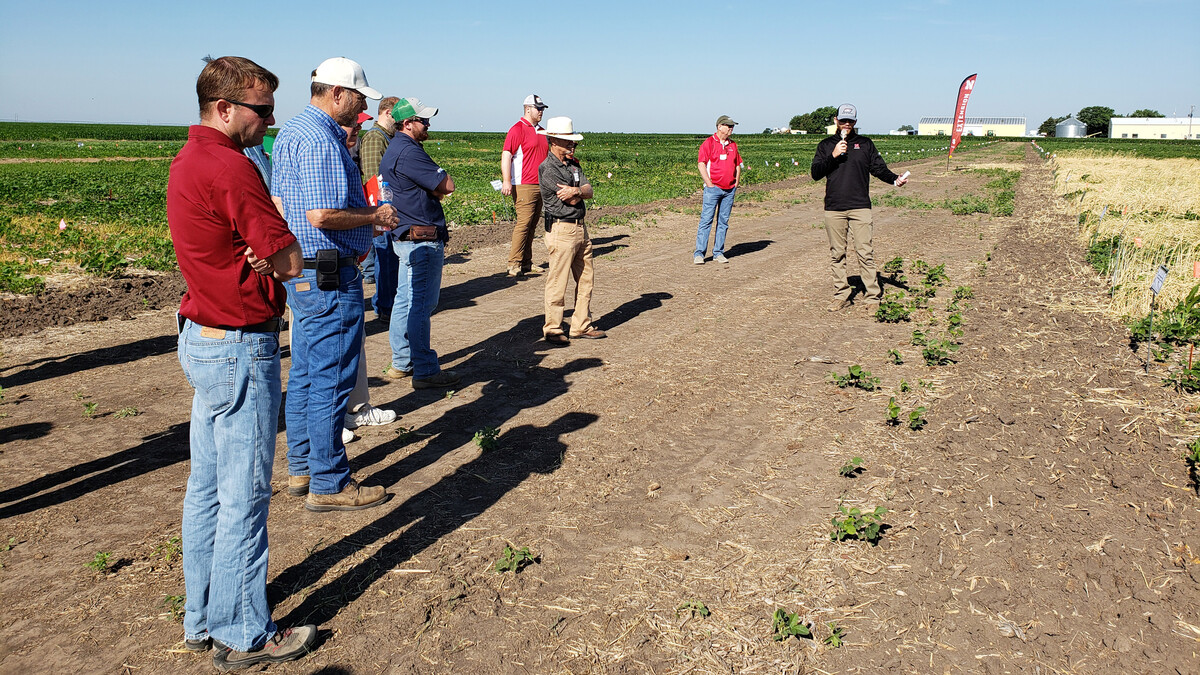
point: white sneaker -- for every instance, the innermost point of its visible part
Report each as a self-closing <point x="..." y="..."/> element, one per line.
<point x="698" y="260"/>
<point x="369" y="416"/>
<point x="348" y="437"/>
<point x="720" y="258"/>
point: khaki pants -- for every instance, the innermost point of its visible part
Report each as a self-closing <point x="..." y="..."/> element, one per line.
<point x="853" y="226"/>
<point x="570" y="250"/>
<point x="527" y="200"/>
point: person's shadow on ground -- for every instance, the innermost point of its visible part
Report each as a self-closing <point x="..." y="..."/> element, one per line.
<point x="429" y="515"/>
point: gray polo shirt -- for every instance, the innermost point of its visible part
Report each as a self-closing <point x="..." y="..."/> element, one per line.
<point x="552" y="172"/>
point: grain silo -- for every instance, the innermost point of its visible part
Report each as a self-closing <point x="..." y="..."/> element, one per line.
<point x="1070" y="128"/>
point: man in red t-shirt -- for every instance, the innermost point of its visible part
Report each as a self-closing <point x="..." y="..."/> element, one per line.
<point x="524" y="151"/>
<point x="720" y="168"/>
<point x="234" y="249"/>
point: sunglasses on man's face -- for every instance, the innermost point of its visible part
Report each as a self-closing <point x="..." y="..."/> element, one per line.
<point x="262" y="110"/>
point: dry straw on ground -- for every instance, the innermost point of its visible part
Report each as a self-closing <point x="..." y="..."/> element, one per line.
<point x="1150" y="204"/>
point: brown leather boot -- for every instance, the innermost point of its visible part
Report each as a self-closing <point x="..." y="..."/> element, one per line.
<point x="353" y="497"/>
<point x="297" y="486"/>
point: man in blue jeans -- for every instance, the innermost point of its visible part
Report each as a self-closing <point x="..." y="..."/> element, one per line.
<point x="323" y="203"/>
<point x="720" y="168"/>
<point x="234" y="251"/>
<point x="418" y="187"/>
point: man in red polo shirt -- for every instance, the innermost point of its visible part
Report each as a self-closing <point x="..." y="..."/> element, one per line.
<point x="720" y="168"/>
<point x="234" y="249"/>
<point x="524" y="151"/>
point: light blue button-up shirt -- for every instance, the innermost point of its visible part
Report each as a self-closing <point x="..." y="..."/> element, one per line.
<point x="311" y="169"/>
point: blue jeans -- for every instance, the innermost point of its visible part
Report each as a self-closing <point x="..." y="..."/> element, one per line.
<point x="327" y="334"/>
<point x="386" y="268"/>
<point x="235" y="418"/>
<point x="416" y="297"/>
<point x="717" y="201"/>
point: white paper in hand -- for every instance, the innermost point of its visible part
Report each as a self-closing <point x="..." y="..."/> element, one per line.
<point x="497" y="184"/>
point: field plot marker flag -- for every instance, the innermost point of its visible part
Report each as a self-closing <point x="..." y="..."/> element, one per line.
<point x="960" y="113"/>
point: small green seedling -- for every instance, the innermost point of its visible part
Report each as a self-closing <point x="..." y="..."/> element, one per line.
<point x="857" y="524"/>
<point x="895" y="357"/>
<point x="936" y="276"/>
<point x="919" y="267"/>
<point x="786" y="624"/>
<point x="170" y="549"/>
<point x="894" y="266"/>
<point x="916" y="418"/>
<point x="1192" y="457"/>
<point x="174" y="605"/>
<point x="892" y="309"/>
<point x="919" y="338"/>
<point x="127" y="412"/>
<point x="89" y="409"/>
<point x="486" y="438"/>
<point x="937" y="352"/>
<point x="850" y="468"/>
<point x="12" y="541"/>
<point x="514" y="560"/>
<point x="856" y="376"/>
<point x="100" y="561"/>
<point x="893" y="409"/>
<point x="905" y="387"/>
<point x="695" y="607"/>
<point x="450" y="394"/>
<point x="836" y="633"/>
<point x="963" y="293"/>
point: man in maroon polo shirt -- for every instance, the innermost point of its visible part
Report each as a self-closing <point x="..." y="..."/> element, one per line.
<point x="234" y="249"/>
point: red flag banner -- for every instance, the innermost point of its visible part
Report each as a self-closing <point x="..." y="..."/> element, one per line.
<point x="960" y="111"/>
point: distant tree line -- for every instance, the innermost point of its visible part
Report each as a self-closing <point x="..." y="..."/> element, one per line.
<point x="1096" y="118"/>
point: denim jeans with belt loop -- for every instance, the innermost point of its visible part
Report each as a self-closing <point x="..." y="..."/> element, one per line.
<point x="327" y="334"/>
<point x="718" y="202"/>
<point x="417" y="293"/>
<point x="235" y="419"/>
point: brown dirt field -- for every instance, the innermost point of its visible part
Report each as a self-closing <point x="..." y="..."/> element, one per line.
<point x="1042" y="522"/>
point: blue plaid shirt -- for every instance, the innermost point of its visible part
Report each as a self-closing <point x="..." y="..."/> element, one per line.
<point x="311" y="169"/>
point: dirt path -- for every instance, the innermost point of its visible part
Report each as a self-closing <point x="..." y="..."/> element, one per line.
<point x="1039" y="523"/>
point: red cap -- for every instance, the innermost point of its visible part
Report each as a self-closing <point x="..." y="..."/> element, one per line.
<point x="363" y="117"/>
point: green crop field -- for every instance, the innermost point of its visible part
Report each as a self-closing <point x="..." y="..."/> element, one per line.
<point x="113" y="212"/>
<point x="1151" y="148"/>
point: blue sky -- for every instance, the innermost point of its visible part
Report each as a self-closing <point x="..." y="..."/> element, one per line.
<point x="617" y="65"/>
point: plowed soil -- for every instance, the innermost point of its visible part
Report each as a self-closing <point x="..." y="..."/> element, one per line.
<point x="1040" y="522"/>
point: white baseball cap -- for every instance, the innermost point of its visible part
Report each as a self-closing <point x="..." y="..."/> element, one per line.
<point x="342" y="72"/>
<point x="535" y="101"/>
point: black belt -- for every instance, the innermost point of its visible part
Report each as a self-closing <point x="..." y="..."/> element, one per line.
<point x="553" y="220"/>
<point x="344" y="261"/>
<point x="268" y="326"/>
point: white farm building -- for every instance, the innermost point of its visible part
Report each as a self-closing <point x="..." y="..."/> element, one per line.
<point x="973" y="126"/>
<point x="1177" y="128"/>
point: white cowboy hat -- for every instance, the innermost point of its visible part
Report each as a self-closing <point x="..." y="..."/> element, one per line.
<point x="560" y="127"/>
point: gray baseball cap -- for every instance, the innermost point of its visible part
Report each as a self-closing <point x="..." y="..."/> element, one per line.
<point x="725" y="119"/>
<point x="847" y="112"/>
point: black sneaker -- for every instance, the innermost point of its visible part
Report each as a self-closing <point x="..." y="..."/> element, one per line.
<point x="287" y="645"/>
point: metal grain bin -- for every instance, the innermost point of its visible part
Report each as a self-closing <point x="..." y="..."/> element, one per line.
<point x="1070" y="128"/>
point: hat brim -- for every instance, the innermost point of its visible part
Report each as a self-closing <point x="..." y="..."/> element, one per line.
<point x="370" y="93"/>
<point x="426" y="112"/>
<point x="565" y="137"/>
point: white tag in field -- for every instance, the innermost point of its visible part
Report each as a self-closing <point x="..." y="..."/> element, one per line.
<point x="497" y="184"/>
<point x="1159" y="278"/>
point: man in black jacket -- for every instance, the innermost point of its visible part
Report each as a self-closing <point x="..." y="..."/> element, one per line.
<point x="846" y="158"/>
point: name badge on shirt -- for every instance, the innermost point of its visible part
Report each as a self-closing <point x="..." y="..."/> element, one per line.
<point x="723" y="157"/>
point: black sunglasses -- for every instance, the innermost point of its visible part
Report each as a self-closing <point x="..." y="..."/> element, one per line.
<point x="263" y="111"/>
